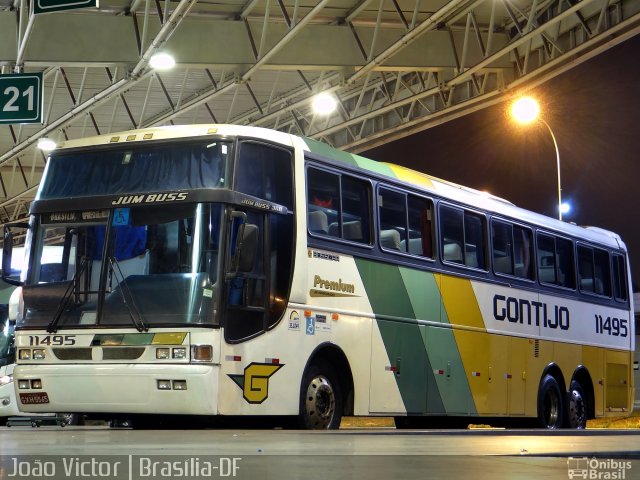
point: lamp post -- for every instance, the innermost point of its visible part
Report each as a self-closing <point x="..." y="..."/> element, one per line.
<point x="526" y="110"/>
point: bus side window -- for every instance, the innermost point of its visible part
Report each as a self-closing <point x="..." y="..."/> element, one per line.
<point x="523" y="252"/>
<point x="346" y="202"/>
<point x="463" y="237"/>
<point x="392" y="216"/>
<point x="619" y="278"/>
<point x="452" y="231"/>
<point x="265" y="171"/>
<point x="501" y="235"/>
<point x="323" y="202"/>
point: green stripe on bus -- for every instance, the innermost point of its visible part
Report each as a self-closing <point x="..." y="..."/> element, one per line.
<point x="378" y="167"/>
<point x="402" y="337"/>
<point x="329" y="152"/>
<point x="385" y="289"/>
<point x="440" y="343"/>
<point x="423" y="292"/>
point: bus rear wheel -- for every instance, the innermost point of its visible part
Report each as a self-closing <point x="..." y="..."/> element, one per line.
<point x="550" y="403"/>
<point x="321" y="400"/>
<point x="577" y="406"/>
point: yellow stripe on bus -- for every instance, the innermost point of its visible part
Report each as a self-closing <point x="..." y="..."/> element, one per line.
<point x="411" y="176"/>
<point x="168" y="338"/>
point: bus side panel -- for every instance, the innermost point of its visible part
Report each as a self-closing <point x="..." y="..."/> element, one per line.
<point x="593" y="358"/>
<point x="423" y="356"/>
<point x="618" y="395"/>
<point x="384" y="394"/>
<point x="485" y="357"/>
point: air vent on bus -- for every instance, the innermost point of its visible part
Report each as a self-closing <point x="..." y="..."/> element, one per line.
<point x="125" y="353"/>
<point x="72" y="353"/>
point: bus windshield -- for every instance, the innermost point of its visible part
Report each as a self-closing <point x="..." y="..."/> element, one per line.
<point x="138" y="168"/>
<point x="145" y="266"/>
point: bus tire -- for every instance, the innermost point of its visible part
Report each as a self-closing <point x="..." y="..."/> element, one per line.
<point x="577" y="407"/>
<point x="550" y="403"/>
<point x="321" y="402"/>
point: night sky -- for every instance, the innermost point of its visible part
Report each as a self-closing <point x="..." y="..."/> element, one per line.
<point x="594" y="112"/>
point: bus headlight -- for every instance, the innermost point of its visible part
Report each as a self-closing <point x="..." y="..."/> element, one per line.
<point x="179" y="353"/>
<point x="39" y="354"/>
<point x="24" y="354"/>
<point x="23" y="384"/>
<point x="163" y="353"/>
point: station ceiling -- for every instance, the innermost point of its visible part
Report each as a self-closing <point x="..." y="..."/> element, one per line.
<point x="395" y="66"/>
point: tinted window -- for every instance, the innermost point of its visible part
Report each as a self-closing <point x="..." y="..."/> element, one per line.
<point x="265" y="172"/>
<point x="619" y="278"/>
<point x="405" y="223"/>
<point x="555" y="261"/>
<point x="462" y="237"/>
<point x="339" y="206"/>
<point x="594" y="271"/>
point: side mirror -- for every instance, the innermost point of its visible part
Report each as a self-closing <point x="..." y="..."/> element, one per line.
<point x="245" y="257"/>
<point x="246" y="245"/>
<point x="7" y="250"/>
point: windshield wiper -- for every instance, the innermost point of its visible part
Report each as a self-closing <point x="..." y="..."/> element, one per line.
<point x="52" y="327"/>
<point x="134" y="313"/>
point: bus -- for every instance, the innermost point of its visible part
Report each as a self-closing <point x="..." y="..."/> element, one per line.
<point x="229" y="271"/>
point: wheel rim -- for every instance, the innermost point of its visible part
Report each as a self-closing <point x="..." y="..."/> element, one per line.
<point x="320" y="403"/>
<point x="576" y="409"/>
<point x="551" y="409"/>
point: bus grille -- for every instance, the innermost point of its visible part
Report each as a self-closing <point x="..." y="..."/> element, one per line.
<point x="72" y="353"/>
<point x="125" y="353"/>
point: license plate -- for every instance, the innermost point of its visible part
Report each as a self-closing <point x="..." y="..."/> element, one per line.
<point x="34" y="398"/>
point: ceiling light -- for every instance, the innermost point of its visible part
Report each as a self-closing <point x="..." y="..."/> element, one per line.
<point x="162" y="61"/>
<point x="324" y="104"/>
<point x="46" y="144"/>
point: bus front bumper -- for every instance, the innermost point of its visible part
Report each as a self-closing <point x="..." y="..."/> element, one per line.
<point x="117" y="388"/>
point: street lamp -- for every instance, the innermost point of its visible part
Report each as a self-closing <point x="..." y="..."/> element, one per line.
<point x="526" y="110"/>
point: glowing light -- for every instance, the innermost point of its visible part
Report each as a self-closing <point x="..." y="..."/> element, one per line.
<point x="46" y="144"/>
<point x="565" y="208"/>
<point x="525" y="110"/>
<point x="324" y="104"/>
<point x="162" y="61"/>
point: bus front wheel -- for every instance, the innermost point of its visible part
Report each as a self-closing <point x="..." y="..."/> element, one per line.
<point x="550" y="403"/>
<point x="321" y="400"/>
<point x="577" y="406"/>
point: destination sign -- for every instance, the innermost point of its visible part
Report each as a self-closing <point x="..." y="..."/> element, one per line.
<point x="86" y="216"/>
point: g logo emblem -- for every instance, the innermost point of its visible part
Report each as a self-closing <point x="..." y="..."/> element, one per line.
<point x="255" y="381"/>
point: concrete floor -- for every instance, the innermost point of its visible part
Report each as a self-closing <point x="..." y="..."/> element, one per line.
<point x="344" y="454"/>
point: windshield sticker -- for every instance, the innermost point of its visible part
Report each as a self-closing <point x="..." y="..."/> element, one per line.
<point x="120" y="217"/>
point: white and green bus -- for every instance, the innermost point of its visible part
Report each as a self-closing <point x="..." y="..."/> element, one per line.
<point x="225" y="270"/>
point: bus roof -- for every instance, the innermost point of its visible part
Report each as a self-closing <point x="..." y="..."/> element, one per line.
<point x="442" y="188"/>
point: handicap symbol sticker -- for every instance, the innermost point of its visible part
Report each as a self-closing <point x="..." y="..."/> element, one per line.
<point x="120" y="217"/>
<point x="311" y="326"/>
